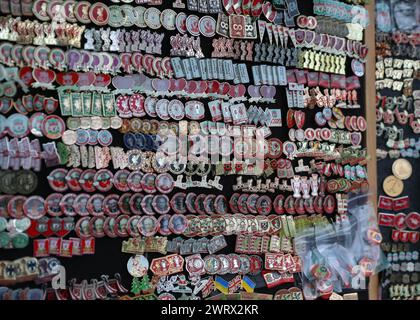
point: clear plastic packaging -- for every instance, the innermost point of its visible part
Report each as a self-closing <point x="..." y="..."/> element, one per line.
<point x="339" y="254"/>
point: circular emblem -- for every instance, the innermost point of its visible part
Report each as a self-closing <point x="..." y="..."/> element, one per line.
<point x="163" y="225"/>
<point x="192" y="25"/>
<point x="67" y="204"/>
<point x="148" y="226"/>
<point x="99" y="14"/>
<point x="18" y="125"/>
<point x="402" y="169"/>
<point x="57" y="180"/>
<point x="152" y="18"/>
<point x="52" y="204"/>
<point x="161" y="204"/>
<point x="134" y="181"/>
<point x="103" y="180"/>
<point x="95" y="205"/>
<point x="96" y="225"/>
<point x="87" y="180"/>
<point x="164" y="183"/>
<point x="138" y="266"/>
<point x="178" y="203"/>
<point x="135" y="203"/>
<point x="358" y="68"/>
<point x="132" y="224"/>
<point x="81" y="11"/>
<point x="110" y="205"/>
<point x="124" y="203"/>
<point x="168" y="19"/>
<point x="207" y="26"/>
<point x="53" y="127"/>
<point x="178" y="223"/>
<point x="80" y="204"/>
<point x="393" y="186"/>
<point x="34" y="207"/>
<point x="121" y="180"/>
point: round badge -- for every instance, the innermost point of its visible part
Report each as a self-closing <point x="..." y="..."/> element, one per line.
<point x="209" y="204"/>
<point x="152" y="18"/>
<point x="199" y="204"/>
<point x="212" y="264"/>
<point x="134" y="159"/>
<point x="148" y="183"/>
<point x="245" y="264"/>
<point x="57" y="180"/>
<point x="148" y="226"/>
<point x="15" y="207"/>
<point x="18" y="125"/>
<point x="251" y="203"/>
<point x="402" y="169"/>
<point x="95" y="205"/>
<point x="111" y="206"/>
<point x="207" y="26"/>
<point x="120" y="227"/>
<point x="190" y="202"/>
<point x="124" y="203"/>
<point x="67" y="204"/>
<point x="53" y="127"/>
<point x="168" y="19"/>
<point x="176" y="110"/>
<point x="40" y="10"/>
<point x="104" y="138"/>
<point x="134" y="181"/>
<point x="132" y="229"/>
<point x="235" y="263"/>
<point x="224" y="264"/>
<point x="82" y="228"/>
<point x="72" y="179"/>
<point x="80" y="204"/>
<point x="162" y="109"/>
<point x="121" y="180"/>
<point x="139" y="12"/>
<point x="103" y="180"/>
<point x="178" y="203"/>
<point x="220" y="204"/>
<point x="34" y="207"/>
<point x="129" y="18"/>
<point x="180" y="22"/>
<point x="109" y="226"/>
<point x="279" y="204"/>
<point x="178" y="223"/>
<point x="242" y="203"/>
<point x="138" y="266"/>
<point x="161" y="204"/>
<point x="87" y="180"/>
<point x="99" y="14"/>
<point x="135" y="203"/>
<point x="192" y="24"/>
<point x="96" y="225"/>
<point x="52" y="204"/>
<point x="163" y="225"/>
<point x="393" y="186"/>
<point x="164" y="183"/>
<point x="233" y="203"/>
<point x="358" y="68"/>
<point x="35" y="125"/>
<point x="147" y="205"/>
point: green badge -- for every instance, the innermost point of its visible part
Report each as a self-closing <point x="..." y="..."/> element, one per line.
<point x="4" y="239"/>
<point x="20" y="240"/>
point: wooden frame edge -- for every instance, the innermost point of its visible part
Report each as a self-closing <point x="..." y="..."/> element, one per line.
<point x="370" y="108"/>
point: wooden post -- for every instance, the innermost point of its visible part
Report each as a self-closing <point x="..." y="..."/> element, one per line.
<point x="370" y="101"/>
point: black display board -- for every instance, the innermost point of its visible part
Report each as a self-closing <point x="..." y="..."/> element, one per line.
<point x="108" y="258"/>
